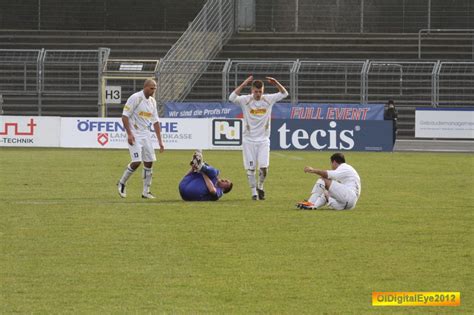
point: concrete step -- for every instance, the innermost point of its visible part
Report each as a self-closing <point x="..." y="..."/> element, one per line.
<point x="72" y="33"/>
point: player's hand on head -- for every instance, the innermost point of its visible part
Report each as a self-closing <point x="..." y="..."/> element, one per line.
<point x="271" y="80"/>
<point x="249" y="79"/>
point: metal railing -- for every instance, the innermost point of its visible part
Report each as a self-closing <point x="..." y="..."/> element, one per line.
<point x="68" y="91"/>
<point x="414" y="83"/>
<point x="340" y="81"/>
<point x="455" y="84"/>
<point x="202" y="41"/>
<point x="47" y="82"/>
<point x="404" y="81"/>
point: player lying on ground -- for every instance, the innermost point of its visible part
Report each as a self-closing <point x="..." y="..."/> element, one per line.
<point x="202" y="182"/>
<point x="338" y="188"/>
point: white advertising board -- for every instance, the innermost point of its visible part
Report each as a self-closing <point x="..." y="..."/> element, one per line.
<point x="110" y="133"/>
<point x="226" y="133"/>
<point x="29" y="131"/>
<point x="455" y="123"/>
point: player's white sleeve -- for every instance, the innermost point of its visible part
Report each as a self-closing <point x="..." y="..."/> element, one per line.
<point x="236" y="99"/>
<point x="275" y="97"/>
<point x="130" y="106"/>
<point x="337" y="174"/>
<point x="332" y="174"/>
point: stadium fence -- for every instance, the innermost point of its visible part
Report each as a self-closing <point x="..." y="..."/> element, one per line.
<point x="58" y="82"/>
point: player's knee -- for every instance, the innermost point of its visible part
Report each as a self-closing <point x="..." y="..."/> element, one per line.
<point x="264" y="171"/>
<point x="320" y="182"/>
<point x="250" y="172"/>
<point x="319" y="188"/>
<point x="134" y="165"/>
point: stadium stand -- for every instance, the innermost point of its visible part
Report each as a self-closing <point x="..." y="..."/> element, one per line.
<point x="122" y="44"/>
<point x="319" y="32"/>
<point x="347" y="46"/>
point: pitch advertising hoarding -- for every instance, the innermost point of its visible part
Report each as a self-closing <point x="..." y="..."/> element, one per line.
<point x="446" y="123"/>
<point x="29" y="131"/>
<point x="340" y="135"/>
<point x="110" y="133"/>
<point x="279" y="111"/>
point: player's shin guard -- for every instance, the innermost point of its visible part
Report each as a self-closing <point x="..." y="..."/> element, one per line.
<point x="126" y="174"/>
<point x="147" y="175"/>
<point x="262" y="174"/>
<point x="318" y="191"/>
<point x="252" y="181"/>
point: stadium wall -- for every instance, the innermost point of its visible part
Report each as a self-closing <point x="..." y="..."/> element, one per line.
<point x="378" y="16"/>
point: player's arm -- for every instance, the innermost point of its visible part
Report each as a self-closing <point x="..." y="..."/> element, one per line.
<point x="128" y="110"/>
<point x="210" y="186"/>
<point x="322" y="173"/>
<point x="126" y="125"/>
<point x="278" y="85"/>
<point x="233" y="96"/>
<point x="157" y="128"/>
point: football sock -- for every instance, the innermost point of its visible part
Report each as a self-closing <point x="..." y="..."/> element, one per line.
<point x="318" y="191"/>
<point x="262" y="174"/>
<point x="252" y="181"/>
<point x="147" y="174"/>
<point x="126" y="174"/>
<point x="321" y="201"/>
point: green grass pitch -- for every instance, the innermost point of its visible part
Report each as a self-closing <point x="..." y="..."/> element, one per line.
<point x="69" y="244"/>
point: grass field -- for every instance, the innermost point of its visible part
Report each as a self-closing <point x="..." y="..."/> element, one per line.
<point x="69" y="244"/>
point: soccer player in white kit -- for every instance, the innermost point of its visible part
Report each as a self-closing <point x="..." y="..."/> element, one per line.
<point x="338" y="188"/>
<point x="139" y="114"/>
<point x="257" y="111"/>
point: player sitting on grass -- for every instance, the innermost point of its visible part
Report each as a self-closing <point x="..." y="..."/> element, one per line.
<point x="202" y="182"/>
<point x="338" y="188"/>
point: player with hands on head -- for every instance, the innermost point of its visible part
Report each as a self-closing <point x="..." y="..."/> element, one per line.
<point x="257" y="110"/>
<point x="138" y="116"/>
<point x="338" y="188"/>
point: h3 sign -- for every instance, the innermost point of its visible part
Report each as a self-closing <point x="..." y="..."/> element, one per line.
<point x="113" y="94"/>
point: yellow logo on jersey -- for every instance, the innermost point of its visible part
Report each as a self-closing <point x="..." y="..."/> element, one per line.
<point x="126" y="107"/>
<point x="258" y="111"/>
<point x="145" y="114"/>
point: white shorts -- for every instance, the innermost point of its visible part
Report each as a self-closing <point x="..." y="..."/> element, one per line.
<point x="143" y="149"/>
<point x="256" y="154"/>
<point x="341" y="197"/>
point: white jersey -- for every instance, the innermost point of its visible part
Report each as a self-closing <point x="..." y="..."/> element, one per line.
<point x="257" y="114"/>
<point x="142" y="113"/>
<point x="348" y="176"/>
